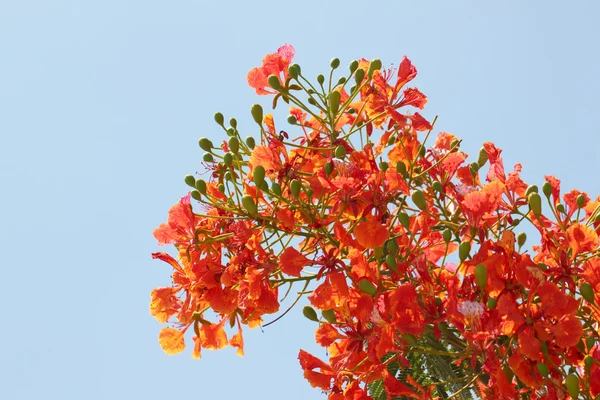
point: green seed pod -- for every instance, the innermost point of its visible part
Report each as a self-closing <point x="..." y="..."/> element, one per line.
<point x="340" y="152"/>
<point x="521" y="238"/>
<point x="329" y="316"/>
<point x="353" y="65"/>
<point x="491" y="303"/>
<point x="535" y="204"/>
<point x="392" y="246"/>
<point x="447" y="235"/>
<point x="375" y="65"/>
<point x="418" y="197"/>
<point x="580" y="200"/>
<point x="483" y="157"/>
<point x="234" y="145"/>
<point x="250" y="142"/>
<point x="560" y="208"/>
<point x="201" y="186"/>
<point x="481" y="274"/>
<point x="531" y="189"/>
<point x="190" y="180"/>
<point x="410" y="339"/>
<point x="328" y="168"/>
<point x="542" y="369"/>
<point x="320" y="79"/>
<point x="437" y="186"/>
<point x="276" y="189"/>
<point x="390" y="260"/>
<point x="587" y="292"/>
<point x="401" y="169"/>
<point x="221" y="188"/>
<point x="463" y="250"/>
<point x="257" y="113"/>
<point x="205" y="144"/>
<point x="590" y="342"/>
<point x="196" y="195"/>
<point x="383" y="166"/>
<point x="367" y="287"/>
<point x="310" y="313"/>
<point x="249" y="204"/>
<point x="335" y="62"/>
<point x="219" y="119"/>
<point x="207" y="157"/>
<point x="333" y="100"/>
<point x="547" y="189"/>
<point x="588" y="361"/>
<point x="359" y="75"/>
<point x="273" y="81"/>
<point x="259" y="175"/>
<point x="572" y="384"/>
<point x="404" y="220"/>
<point x="295" y="187"/>
<point x="294" y="71"/>
<point x="291" y="120"/>
<point x="228" y="159"/>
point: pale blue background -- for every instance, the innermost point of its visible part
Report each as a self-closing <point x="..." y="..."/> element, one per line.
<point x="101" y="106"/>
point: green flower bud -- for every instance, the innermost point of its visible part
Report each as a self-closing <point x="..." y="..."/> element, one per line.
<point x="273" y="81"/>
<point x="228" y="159"/>
<point x="196" y="195"/>
<point x="367" y="287"/>
<point x="207" y="157"/>
<point x="353" y="89"/>
<point x="392" y="246"/>
<point x="447" y="235"/>
<point x="378" y="252"/>
<point x="547" y="189"/>
<point x="231" y="131"/>
<point x="257" y="113"/>
<point x="455" y="145"/>
<point x="404" y="220"/>
<point x="249" y="204"/>
<point x="264" y="186"/>
<point x="390" y="260"/>
<point x="463" y="251"/>
<point x="542" y="266"/>
<point x="580" y="200"/>
<point x="201" y="186"/>
<point x="233" y="123"/>
<point x="219" y="119"/>
<point x="234" y="144"/>
<point x="401" y="168"/>
<point x="334" y="99"/>
<point x="383" y="166"/>
<point x="295" y="187"/>
<point x="560" y="208"/>
<point x="587" y="292"/>
<point x="190" y="180"/>
<point x="259" y="175"/>
<point x="481" y="274"/>
<point x="418" y="197"/>
<point x="335" y="62"/>
<point x="474" y="168"/>
<point x="491" y="303"/>
<point x="329" y="316"/>
<point x="276" y="189"/>
<point x="375" y="65"/>
<point x="341" y="81"/>
<point x="359" y="75"/>
<point x="250" y="142"/>
<point x="328" y="168"/>
<point x="590" y="342"/>
<point x="572" y="384"/>
<point x="320" y="79"/>
<point x="205" y="144"/>
<point x="310" y="313"/>
<point x="531" y="189"/>
<point x="521" y="238"/>
<point x="437" y="186"/>
<point x="228" y="176"/>
<point x="312" y="101"/>
<point x="542" y="369"/>
<point x="422" y="150"/>
<point x="410" y="339"/>
<point x="221" y="188"/>
<point x="483" y="157"/>
<point x="294" y="71"/>
<point x="535" y="204"/>
<point x="588" y="361"/>
<point x="353" y="65"/>
<point x="291" y="120"/>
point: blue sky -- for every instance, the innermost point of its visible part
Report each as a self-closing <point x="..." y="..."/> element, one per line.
<point x="101" y="107"/>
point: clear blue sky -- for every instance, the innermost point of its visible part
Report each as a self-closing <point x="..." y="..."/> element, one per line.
<point x="101" y="107"/>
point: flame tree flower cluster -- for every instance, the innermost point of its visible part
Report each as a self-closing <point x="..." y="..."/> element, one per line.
<point x="418" y="280"/>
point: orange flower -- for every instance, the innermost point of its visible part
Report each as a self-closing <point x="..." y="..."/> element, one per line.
<point x="272" y="64"/>
<point x="292" y="261"/>
<point x="371" y="234"/>
<point x="582" y="238"/>
<point x="171" y="340"/>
